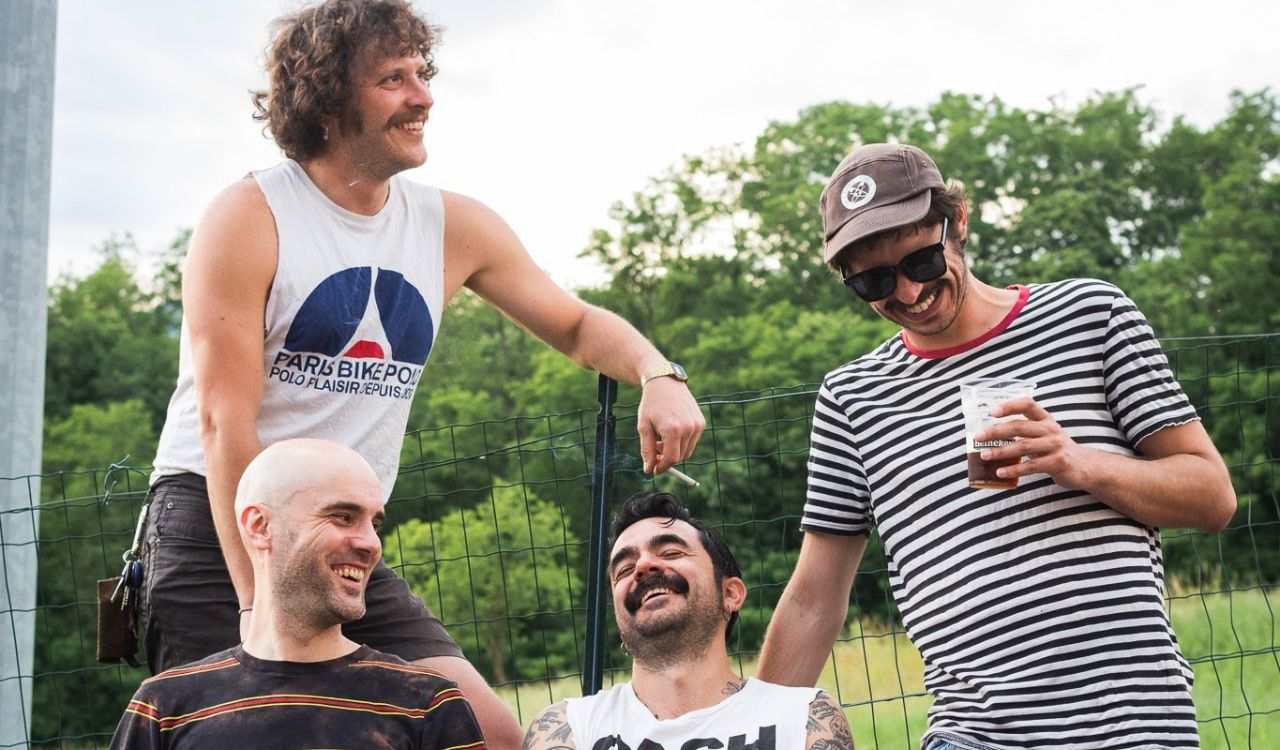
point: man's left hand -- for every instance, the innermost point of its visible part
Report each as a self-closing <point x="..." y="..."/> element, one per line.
<point x="1040" y="438"/>
<point x="669" y="422"/>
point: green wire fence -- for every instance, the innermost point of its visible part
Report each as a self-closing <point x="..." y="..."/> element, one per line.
<point x="499" y="526"/>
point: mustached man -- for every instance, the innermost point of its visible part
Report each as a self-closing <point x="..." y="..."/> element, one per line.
<point x="677" y="589"/>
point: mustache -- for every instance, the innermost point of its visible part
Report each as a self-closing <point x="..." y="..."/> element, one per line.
<point x="412" y="115"/>
<point x="672" y="581"/>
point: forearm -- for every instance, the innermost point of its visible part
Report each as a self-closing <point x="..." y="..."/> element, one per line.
<point x="1182" y="491"/>
<point x="605" y="342"/>
<point x="227" y="453"/>
<point x="799" y="640"/>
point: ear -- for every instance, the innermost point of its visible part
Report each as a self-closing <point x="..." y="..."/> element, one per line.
<point x="255" y="527"/>
<point x="735" y="593"/>
<point x="962" y="220"/>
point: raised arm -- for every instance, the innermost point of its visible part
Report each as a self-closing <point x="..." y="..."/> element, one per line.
<point x="812" y="609"/>
<point x="828" y="729"/>
<point x="228" y="274"/>
<point x="550" y="730"/>
<point x="483" y="253"/>
<point x="1177" y="481"/>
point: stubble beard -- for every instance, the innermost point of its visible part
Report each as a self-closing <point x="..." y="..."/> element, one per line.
<point x="957" y="289"/>
<point x="374" y="155"/>
<point x="311" y="601"/>
<point x="676" y="637"/>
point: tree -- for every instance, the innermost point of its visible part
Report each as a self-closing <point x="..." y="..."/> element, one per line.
<point x="112" y="338"/>
<point x="82" y="535"/>
<point x="501" y="575"/>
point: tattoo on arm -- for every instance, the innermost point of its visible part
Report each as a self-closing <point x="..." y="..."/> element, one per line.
<point x="827" y="728"/>
<point x="550" y="730"/>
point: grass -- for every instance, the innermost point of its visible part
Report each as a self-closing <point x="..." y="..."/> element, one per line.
<point x="1231" y="638"/>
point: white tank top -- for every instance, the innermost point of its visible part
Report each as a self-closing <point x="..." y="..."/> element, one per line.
<point x="761" y="716"/>
<point x="353" y="312"/>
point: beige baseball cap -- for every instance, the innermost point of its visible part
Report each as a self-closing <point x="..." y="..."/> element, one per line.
<point x="878" y="186"/>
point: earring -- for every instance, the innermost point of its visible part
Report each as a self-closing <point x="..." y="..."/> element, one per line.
<point x="326" y="131"/>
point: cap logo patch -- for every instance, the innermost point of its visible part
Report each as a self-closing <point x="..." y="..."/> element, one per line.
<point x="858" y="192"/>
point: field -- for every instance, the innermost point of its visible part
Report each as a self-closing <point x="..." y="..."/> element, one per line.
<point x="1232" y="640"/>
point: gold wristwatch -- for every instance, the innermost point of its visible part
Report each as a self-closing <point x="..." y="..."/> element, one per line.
<point x="668" y="370"/>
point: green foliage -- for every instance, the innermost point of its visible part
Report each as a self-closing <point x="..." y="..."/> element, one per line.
<point x="718" y="261"/>
<point x="500" y="575"/>
<point x="81" y="539"/>
<point x="112" y="338"/>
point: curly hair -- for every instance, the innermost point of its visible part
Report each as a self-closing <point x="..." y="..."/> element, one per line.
<point x="944" y="203"/>
<point x="311" y="60"/>
<point x="644" y="505"/>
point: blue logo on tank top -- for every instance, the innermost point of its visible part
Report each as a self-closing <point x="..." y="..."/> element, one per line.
<point x="357" y="333"/>
<point x="328" y="320"/>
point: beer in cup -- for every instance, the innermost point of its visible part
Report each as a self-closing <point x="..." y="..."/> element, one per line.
<point x="977" y="399"/>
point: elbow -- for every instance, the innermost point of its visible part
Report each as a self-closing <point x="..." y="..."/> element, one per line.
<point x="1223" y="505"/>
<point x="222" y="429"/>
<point x="211" y="426"/>
<point x="1224" y="511"/>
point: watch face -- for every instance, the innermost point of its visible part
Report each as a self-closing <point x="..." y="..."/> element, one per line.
<point x="679" y="371"/>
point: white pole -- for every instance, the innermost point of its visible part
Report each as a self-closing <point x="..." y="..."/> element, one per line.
<point x="27" y="34"/>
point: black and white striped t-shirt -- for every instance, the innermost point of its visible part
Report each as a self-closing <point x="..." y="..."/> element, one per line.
<point x="1040" y="611"/>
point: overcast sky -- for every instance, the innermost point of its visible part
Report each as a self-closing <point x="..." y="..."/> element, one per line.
<point x="551" y="110"/>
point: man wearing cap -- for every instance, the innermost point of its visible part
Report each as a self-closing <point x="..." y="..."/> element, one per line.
<point x="1039" y="611"/>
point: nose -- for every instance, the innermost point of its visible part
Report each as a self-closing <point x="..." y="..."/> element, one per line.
<point x="907" y="291"/>
<point x="420" y="94"/>
<point x="646" y="565"/>
<point x="366" y="540"/>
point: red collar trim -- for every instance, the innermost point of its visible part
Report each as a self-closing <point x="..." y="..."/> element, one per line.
<point x="1023" y="293"/>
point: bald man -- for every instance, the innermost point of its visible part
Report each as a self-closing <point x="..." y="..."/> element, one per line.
<point x="308" y="513"/>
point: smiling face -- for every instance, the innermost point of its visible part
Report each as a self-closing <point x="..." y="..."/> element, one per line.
<point x="666" y="598"/>
<point x="326" y="548"/>
<point x="928" y="311"/>
<point x="381" y="133"/>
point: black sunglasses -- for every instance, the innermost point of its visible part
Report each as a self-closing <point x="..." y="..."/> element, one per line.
<point x="925" y="264"/>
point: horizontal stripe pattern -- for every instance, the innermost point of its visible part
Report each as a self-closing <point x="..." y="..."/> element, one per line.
<point x="366" y="699"/>
<point x="1039" y="611"/>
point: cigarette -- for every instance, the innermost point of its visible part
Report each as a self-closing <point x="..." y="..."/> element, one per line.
<point x="683" y="477"/>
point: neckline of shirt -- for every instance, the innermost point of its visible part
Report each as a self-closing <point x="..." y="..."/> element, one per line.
<point x="1024" y="292"/>
<point x="360" y="219"/>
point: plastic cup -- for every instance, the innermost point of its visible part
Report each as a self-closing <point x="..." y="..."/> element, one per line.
<point x="977" y="399"/>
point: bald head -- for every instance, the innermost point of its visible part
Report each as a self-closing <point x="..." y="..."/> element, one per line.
<point x="308" y="512"/>
<point x="286" y="471"/>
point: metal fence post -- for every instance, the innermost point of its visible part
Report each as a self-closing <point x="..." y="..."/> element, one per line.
<point x="28" y="31"/>
<point x="601" y="493"/>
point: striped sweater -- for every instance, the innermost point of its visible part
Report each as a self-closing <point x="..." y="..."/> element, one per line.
<point x="366" y="699"/>
<point x="1039" y="611"/>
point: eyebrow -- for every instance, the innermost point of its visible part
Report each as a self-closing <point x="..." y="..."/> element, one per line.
<point x="350" y="507"/>
<point x="658" y="540"/>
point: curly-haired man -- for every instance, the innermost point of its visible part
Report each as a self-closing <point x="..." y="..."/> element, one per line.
<point x="312" y="295"/>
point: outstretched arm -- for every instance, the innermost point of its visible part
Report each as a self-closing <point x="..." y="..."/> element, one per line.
<point x="812" y="609"/>
<point x="1177" y="481"/>
<point x="828" y="729"/>
<point x="550" y="730"/>
<point x="483" y="253"/>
